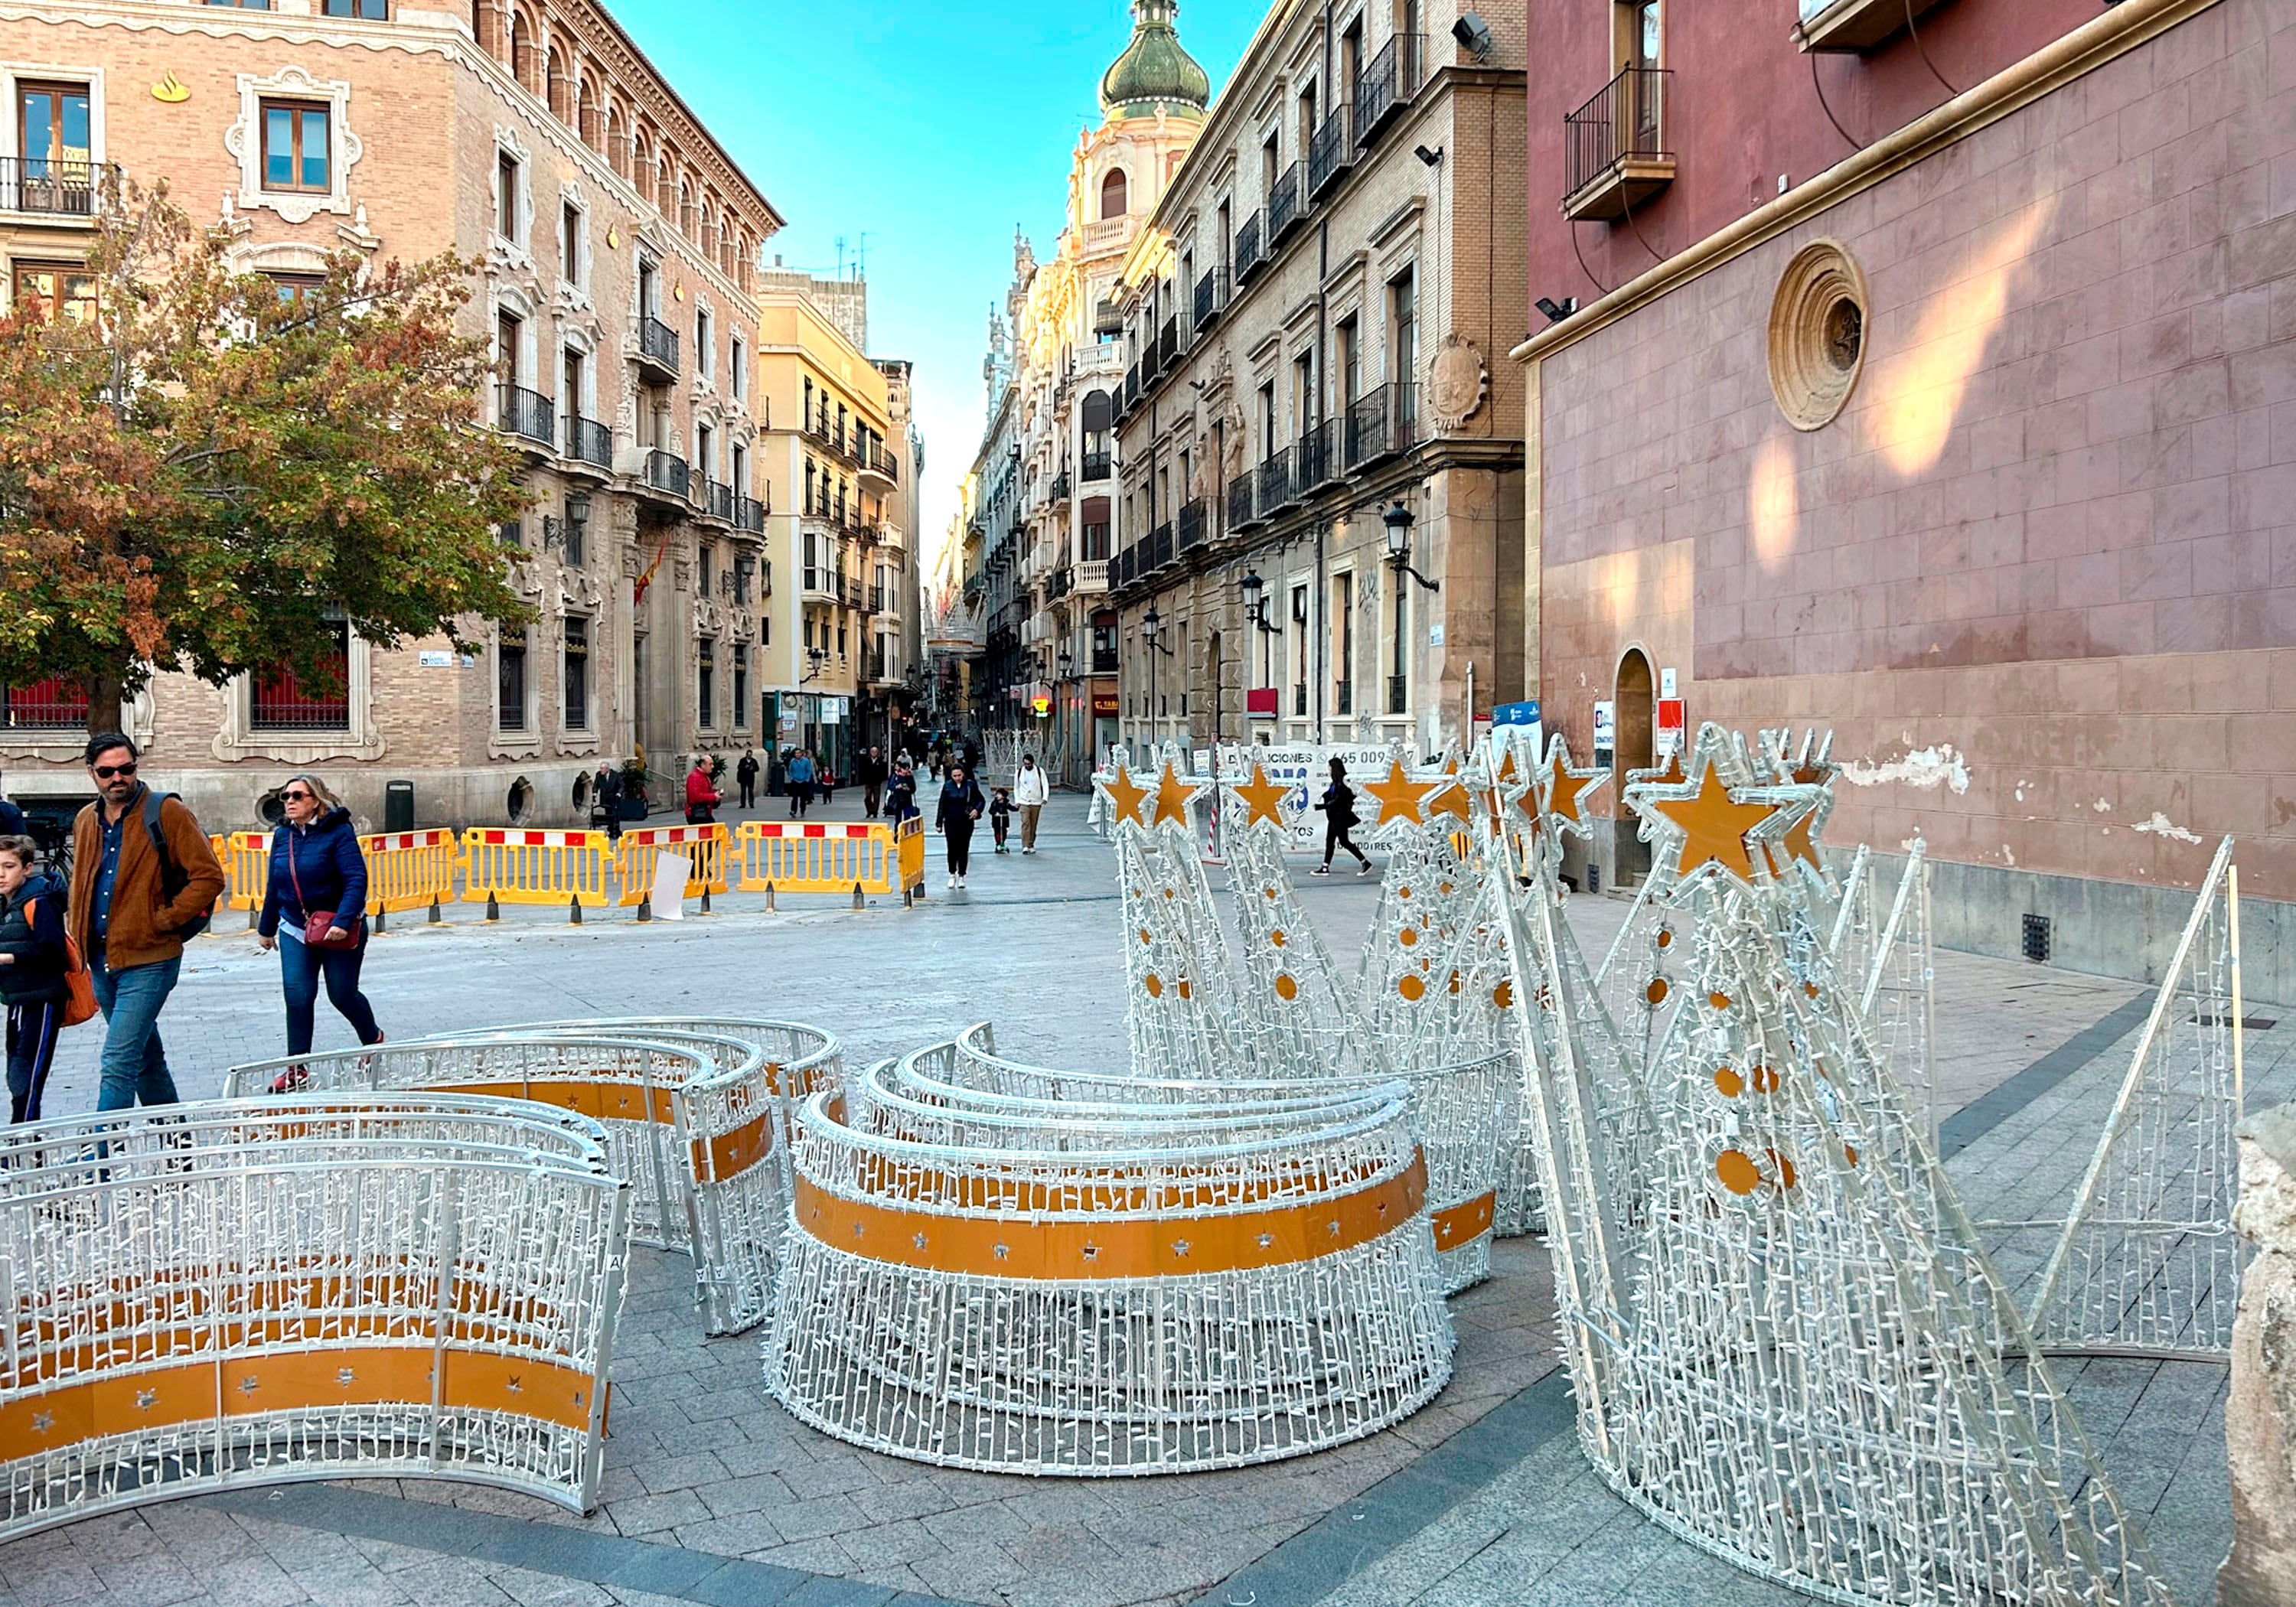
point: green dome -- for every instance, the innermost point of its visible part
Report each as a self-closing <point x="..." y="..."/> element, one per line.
<point x="1154" y="74"/>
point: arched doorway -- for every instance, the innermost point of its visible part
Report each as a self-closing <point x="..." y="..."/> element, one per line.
<point x="1634" y="709"/>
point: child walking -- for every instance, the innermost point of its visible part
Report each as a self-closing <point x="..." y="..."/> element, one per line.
<point x="1000" y="815"/>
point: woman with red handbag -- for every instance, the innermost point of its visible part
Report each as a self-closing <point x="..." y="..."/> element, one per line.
<point x="315" y="910"/>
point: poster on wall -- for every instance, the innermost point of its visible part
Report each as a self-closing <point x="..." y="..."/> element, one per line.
<point x="1606" y="731"/>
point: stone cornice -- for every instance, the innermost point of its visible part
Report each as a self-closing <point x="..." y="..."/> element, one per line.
<point x="2096" y="42"/>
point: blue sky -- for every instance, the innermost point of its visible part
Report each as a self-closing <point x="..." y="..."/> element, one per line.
<point x="931" y="130"/>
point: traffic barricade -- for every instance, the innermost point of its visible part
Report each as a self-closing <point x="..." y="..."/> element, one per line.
<point x="408" y="870"/>
<point x="792" y="856"/>
<point x="909" y="841"/>
<point x="246" y="860"/>
<point x="504" y="864"/>
<point x="640" y="850"/>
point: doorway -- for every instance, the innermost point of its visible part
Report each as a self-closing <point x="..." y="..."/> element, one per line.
<point x="1635" y="707"/>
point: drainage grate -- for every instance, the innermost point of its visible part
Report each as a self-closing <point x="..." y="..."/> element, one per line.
<point x="2248" y="1023"/>
<point x="2036" y="938"/>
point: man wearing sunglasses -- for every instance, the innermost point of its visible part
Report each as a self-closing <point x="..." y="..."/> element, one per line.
<point x="144" y="880"/>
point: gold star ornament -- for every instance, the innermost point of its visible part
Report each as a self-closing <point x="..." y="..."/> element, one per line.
<point x="1173" y="799"/>
<point x="1125" y="796"/>
<point x="1400" y="797"/>
<point x="1702" y="814"/>
<point x="1562" y="790"/>
<point x="1262" y="798"/>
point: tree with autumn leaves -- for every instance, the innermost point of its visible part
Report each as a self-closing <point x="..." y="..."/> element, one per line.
<point x="205" y="474"/>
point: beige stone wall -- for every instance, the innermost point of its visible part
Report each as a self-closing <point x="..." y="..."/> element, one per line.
<point x="2050" y="532"/>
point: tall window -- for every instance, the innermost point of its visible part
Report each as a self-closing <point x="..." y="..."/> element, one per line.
<point x="705" y="684"/>
<point x="279" y="699"/>
<point x="1115" y="195"/>
<point x="506" y="195"/>
<point x="1299" y="650"/>
<point x="1403" y="340"/>
<point x="51" y="134"/>
<point x="1636" y="36"/>
<point x="1095" y="529"/>
<point x="570" y="243"/>
<point x="738" y="362"/>
<point x="577" y="675"/>
<point x="569" y="390"/>
<point x="1097" y="455"/>
<point x="54" y="704"/>
<point x="1268" y="420"/>
<point x="577" y="528"/>
<point x="510" y="677"/>
<point x="295" y="289"/>
<point x="508" y="330"/>
<point x="1343" y="643"/>
<point x="705" y="441"/>
<point x="1350" y="375"/>
<point x="1399" y="685"/>
<point x="706" y="561"/>
<point x="740" y="704"/>
<point x="1303" y="393"/>
<point x="57" y="289"/>
<point x="363" y="10"/>
<point x="295" y="147"/>
<point x="704" y="349"/>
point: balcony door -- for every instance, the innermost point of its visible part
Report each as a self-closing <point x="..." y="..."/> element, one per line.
<point x="51" y="132"/>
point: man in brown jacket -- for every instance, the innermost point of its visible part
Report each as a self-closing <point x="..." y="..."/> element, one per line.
<point x="131" y="907"/>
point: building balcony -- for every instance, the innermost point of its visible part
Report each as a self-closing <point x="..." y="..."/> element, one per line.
<point x="590" y="443"/>
<point x="1380" y="423"/>
<point x="1211" y="298"/>
<point x="51" y="188"/>
<point x="1169" y="345"/>
<point x="816" y="583"/>
<point x="714" y="499"/>
<point x="1330" y="154"/>
<point x="1091" y="577"/>
<point x="1195" y="524"/>
<point x="1855" y="24"/>
<point x="1274" y="490"/>
<point x="1095" y="465"/>
<point x="1249" y="255"/>
<point x="1062" y="487"/>
<point x="1123" y="569"/>
<point x="1284" y="211"/>
<point x="1614" y="147"/>
<point x="1159" y="547"/>
<point x="657" y="350"/>
<point x="667" y="474"/>
<point x="1385" y="88"/>
<point x="878" y="464"/>
<point x="527" y="414"/>
<point x="749" y="514"/>
<point x="1316" y="460"/>
<point x="1239" y="503"/>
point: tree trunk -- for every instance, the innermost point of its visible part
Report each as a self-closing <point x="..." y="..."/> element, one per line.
<point x="105" y="689"/>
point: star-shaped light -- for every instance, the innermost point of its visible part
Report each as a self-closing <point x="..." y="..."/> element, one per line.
<point x="1173" y="799"/>
<point x="1400" y="797"/>
<point x="1811" y="768"/>
<point x="1702" y="814"/>
<point x="1262" y="798"/>
<point x="1125" y="796"/>
<point x="1563" y="790"/>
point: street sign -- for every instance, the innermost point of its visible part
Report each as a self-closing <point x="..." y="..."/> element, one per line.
<point x="1670" y="718"/>
<point x="1524" y="713"/>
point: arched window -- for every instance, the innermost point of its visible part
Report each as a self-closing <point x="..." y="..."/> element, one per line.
<point x="1114" y="194"/>
<point x="521" y="49"/>
<point x="561" y="95"/>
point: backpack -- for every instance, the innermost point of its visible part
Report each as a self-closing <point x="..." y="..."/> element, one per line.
<point x="79" y="988"/>
<point x="173" y="879"/>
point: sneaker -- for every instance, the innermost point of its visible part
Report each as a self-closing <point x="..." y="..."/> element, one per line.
<point x="953" y="882"/>
<point x="960" y="881"/>
<point x="291" y="1079"/>
<point x="1321" y="870"/>
<point x="1028" y="851"/>
<point x="1364" y="869"/>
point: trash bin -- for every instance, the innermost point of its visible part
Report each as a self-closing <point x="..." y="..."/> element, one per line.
<point x="399" y="806"/>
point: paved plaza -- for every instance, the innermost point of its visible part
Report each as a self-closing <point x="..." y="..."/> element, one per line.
<point x="712" y="1494"/>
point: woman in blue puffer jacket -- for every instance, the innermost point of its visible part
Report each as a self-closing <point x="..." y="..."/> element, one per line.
<point x="318" y="868"/>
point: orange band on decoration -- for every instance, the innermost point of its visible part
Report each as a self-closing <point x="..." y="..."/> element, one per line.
<point x="366" y="1375"/>
<point x="1151" y="1246"/>
<point x="1459" y="1223"/>
<point x="604" y="1101"/>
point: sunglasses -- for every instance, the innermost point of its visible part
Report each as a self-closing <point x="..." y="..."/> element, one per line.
<point x="297" y="796"/>
<point x="106" y="772"/>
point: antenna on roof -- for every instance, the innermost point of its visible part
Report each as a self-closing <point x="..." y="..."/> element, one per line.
<point x="861" y="256"/>
<point x="841" y="255"/>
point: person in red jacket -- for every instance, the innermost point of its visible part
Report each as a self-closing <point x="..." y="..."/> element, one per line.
<point x="701" y="799"/>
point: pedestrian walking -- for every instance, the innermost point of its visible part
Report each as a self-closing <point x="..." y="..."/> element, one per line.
<point x="1000" y="816"/>
<point x="33" y="962"/>
<point x="873" y="782"/>
<point x="315" y="914"/>
<point x="961" y="807"/>
<point x="1339" y="807"/>
<point x="746" y="773"/>
<point x="1032" y="789"/>
<point x="800" y="783"/>
<point x="143" y="879"/>
<point x="901" y="793"/>
<point x="606" y="794"/>
<point x="825" y="780"/>
<point x="701" y="796"/>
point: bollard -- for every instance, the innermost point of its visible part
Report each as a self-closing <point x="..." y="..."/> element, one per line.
<point x="573" y="909"/>
<point x="494" y="910"/>
<point x="379" y="914"/>
<point x="908" y="899"/>
<point x="769" y="898"/>
<point x="645" y="912"/>
<point x="435" y="916"/>
<point x="254" y="917"/>
<point x="857" y="896"/>
<point x="705" y="898"/>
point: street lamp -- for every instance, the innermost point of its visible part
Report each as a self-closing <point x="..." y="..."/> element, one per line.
<point x="1151" y="627"/>
<point x="818" y="656"/>
<point x="1255" y="601"/>
<point x="1398" y="521"/>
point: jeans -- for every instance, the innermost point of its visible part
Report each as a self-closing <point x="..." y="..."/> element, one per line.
<point x="299" y="969"/>
<point x="134" y="1066"/>
<point x="749" y="795"/>
<point x="32" y="1032"/>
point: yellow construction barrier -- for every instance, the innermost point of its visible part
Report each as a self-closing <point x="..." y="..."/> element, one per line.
<point x="910" y="838"/>
<point x="409" y="870"/>
<point x="513" y="865"/>
<point x="787" y="857"/>
<point x="640" y="850"/>
<point x="246" y="860"/>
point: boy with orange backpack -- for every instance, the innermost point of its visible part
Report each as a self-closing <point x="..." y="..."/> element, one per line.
<point x="46" y="986"/>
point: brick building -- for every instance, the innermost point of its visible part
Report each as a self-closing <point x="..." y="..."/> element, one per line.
<point x="617" y="241"/>
<point x="1924" y="384"/>
<point x="1313" y="322"/>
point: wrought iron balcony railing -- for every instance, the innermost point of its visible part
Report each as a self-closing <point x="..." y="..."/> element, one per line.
<point x="589" y="441"/>
<point x="658" y="343"/>
<point x="1250" y="257"/>
<point x="528" y="414"/>
<point x="51" y="187"/>
<point x="1614" y="146"/>
<point x="1212" y="297"/>
<point x="1284" y="212"/>
<point x="1385" y="88"/>
<point x="668" y="471"/>
<point x="748" y="513"/>
<point x="1330" y="152"/>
